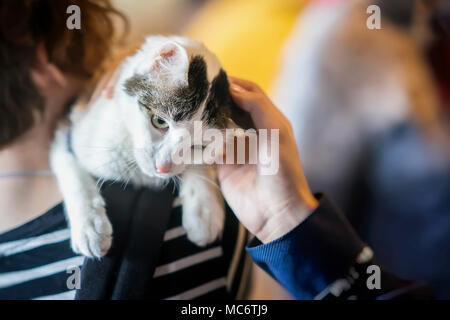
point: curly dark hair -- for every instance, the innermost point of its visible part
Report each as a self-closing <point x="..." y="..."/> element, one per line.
<point x="24" y="25"/>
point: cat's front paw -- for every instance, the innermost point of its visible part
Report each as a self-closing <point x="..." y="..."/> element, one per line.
<point x="203" y="218"/>
<point x="92" y="237"/>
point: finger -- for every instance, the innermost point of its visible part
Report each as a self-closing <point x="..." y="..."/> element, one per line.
<point x="249" y="101"/>
<point x="244" y="99"/>
<point x="263" y="112"/>
<point x="247" y="85"/>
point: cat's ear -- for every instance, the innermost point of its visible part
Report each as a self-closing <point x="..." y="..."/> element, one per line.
<point x="170" y="64"/>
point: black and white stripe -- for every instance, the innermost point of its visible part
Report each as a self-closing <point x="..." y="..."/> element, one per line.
<point x="35" y="257"/>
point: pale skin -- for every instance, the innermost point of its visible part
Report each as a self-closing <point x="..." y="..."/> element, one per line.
<point x="269" y="206"/>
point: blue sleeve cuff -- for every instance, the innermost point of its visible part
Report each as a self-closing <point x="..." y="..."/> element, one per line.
<point x="318" y="251"/>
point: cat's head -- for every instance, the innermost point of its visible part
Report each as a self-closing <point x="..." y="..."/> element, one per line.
<point x="170" y="83"/>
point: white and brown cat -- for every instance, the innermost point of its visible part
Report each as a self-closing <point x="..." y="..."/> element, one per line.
<point x="160" y="91"/>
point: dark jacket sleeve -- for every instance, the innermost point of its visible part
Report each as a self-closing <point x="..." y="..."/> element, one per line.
<point x="323" y="258"/>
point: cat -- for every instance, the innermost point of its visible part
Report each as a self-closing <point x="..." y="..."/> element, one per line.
<point x="160" y="91"/>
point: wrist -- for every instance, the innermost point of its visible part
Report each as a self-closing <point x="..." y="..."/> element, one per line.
<point x="282" y="222"/>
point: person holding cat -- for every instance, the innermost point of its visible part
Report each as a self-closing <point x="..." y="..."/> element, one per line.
<point x="301" y="240"/>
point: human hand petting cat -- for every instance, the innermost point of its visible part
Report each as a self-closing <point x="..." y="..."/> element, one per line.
<point x="269" y="206"/>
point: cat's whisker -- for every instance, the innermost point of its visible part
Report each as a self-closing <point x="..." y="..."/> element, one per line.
<point x="130" y="172"/>
<point x="100" y="183"/>
<point x="124" y="174"/>
<point x="177" y="182"/>
<point x="109" y="162"/>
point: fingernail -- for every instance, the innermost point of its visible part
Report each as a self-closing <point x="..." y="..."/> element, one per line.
<point x="236" y="88"/>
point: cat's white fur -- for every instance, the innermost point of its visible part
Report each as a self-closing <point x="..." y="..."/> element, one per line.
<point x="111" y="140"/>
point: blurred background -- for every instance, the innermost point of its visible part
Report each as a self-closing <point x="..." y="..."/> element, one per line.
<point x="369" y="108"/>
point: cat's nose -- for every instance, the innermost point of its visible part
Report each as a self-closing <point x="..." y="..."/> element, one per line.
<point x="163" y="167"/>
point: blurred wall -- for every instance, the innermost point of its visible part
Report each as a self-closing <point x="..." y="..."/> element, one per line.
<point x="246" y="35"/>
<point x="156" y="16"/>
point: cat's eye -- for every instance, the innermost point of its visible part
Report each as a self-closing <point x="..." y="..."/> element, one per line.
<point x="159" y="123"/>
